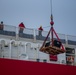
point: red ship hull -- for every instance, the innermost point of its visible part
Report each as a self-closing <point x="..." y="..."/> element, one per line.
<point x="18" y="67"/>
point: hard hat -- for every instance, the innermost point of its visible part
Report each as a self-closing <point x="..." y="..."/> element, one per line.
<point x="41" y="26"/>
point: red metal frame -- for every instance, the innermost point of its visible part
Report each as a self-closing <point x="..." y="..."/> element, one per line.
<point x="52" y="57"/>
<point x="52" y="33"/>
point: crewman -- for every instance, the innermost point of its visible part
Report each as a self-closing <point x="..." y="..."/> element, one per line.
<point x="40" y="30"/>
<point x="1" y="25"/>
<point x="21" y="27"/>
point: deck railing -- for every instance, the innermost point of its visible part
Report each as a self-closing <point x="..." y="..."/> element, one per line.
<point x="34" y="34"/>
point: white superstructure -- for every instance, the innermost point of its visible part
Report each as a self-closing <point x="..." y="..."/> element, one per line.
<point x="26" y="46"/>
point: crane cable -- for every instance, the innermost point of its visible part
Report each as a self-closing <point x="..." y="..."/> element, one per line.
<point x="51" y="10"/>
<point x="51" y="5"/>
<point x="46" y="26"/>
<point x="51" y="14"/>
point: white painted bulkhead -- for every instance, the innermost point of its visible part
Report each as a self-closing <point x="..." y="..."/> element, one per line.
<point x="25" y="46"/>
<point x="25" y="51"/>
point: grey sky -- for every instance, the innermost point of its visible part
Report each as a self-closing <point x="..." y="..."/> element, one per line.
<point x="37" y="12"/>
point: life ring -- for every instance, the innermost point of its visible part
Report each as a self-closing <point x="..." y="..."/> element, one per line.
<point x="70" y="59"/>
